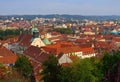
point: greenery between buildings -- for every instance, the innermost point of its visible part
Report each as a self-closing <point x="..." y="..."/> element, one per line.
<point x="24" y="68"/>
<point x="9" y="33"/>
<point x="64" y="30"/>
<point x="104" y="69"/>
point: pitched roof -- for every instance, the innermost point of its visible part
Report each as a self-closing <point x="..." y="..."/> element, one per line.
<point x="25" y="39"/>
<point x="102" y="44"/>
<point x="85" y="45"/>
<point x="60" y="55"/>
<point x="62" y="47"/>
<point x="70" y="49"/>
<point x="81" y="41"/>
<point x="6" y="56"/>
<point x="36" y="53"/>
<point x="43" y="57"/>
<point x="85" y="50"/>
<point x="32" y="51"/>
<point x="46" y="41"/>
<point x="116" y="39"/>
<point x="73" y="57"/>
<point x="55" y="33"/>
<point x="12" y="40"/>
<point x="37" y="57"/>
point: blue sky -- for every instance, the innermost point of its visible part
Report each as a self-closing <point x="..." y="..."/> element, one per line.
<point x="74" y="7"/>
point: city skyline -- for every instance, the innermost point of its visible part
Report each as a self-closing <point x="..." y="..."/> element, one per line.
<point x="76" y="7"/>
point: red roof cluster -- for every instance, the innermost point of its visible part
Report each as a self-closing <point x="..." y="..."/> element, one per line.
<point x="67" y="47"/>
<point x="116" y="39"/>
<point x="62" y="47"/>
<point x="102" y="45"/>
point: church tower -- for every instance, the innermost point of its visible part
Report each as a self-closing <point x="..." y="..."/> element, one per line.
<point x="36" y="40"/>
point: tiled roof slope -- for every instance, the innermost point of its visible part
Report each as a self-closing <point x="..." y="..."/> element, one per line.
<point x="25" y="39"/>
<point x="6" y="56"/>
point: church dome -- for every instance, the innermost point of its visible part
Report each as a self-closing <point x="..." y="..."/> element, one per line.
<point x="35" y="32"/>
<point x="34" y="29"/>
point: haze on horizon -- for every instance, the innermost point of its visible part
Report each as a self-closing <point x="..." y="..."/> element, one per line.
<point x="72" y="7"/>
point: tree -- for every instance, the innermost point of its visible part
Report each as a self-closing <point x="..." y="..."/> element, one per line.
<point x="83" y="71"/>
<point x="109" y="65"/>
<point x="51" y="69"/>
<point x="96" y="71"/>
<point x="106" y="69"/>
<point x="24" y="67"/>
<point x="65" y="74"/>
<point x="64" y="30"/>
<point x="8" y="33"/>
<point x="2" y="71"/>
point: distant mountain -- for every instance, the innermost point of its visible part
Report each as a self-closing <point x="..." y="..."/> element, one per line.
<point x="78" y="17"/>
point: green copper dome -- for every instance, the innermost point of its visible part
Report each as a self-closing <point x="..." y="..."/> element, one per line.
<point x="46" y="41"/>
<point x="35" y="32"/>
<point x="34" y="29"/>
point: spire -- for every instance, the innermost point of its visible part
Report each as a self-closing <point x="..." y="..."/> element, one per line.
<point x="35" y="31"/>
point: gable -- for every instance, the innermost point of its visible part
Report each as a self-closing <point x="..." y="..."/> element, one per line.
<point x="64" y="59"/>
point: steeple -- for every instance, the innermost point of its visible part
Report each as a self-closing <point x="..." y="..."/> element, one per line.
<point x="35" y="32"/>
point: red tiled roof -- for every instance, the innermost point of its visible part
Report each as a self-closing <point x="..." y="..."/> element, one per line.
<point x="37" y="57"/>
<point x="101" y="45"/>
<point x="32" y="51"/>
<point x="62" y="47"/>
<point x="87" y="29"/>
<point x="34" y="63"/>
<point x="8" y="59"/>
<point x="55" y="33"/>
<point x="12" y="40"/>
<point x="85" y="50"/>
<point x="25" y="40"/>
<point x="73" y="57"/>
<point x="81" y="41"/>
<point x="55" y="38"/>
<point x="6" y="56"/>
<point x="116" y="39"/>
<point x="42" y="57"/>
<point x="3" y="41"/>
<point x="85" y="45"/>
<point x="20" y="37"/>
<point x="36" y="53"/>
<point x="70" y="49"/>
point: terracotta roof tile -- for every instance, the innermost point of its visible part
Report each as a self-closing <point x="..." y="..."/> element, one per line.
<point x="73" y="57"/>
<point x="86" y="50"/>
<point x="62" y="47"/>
<point x="36" y="53"/>
<point x="25" y="40"/>
<point x="6" y="56"/>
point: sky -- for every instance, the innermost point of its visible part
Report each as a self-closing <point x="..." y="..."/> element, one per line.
<point x="72" y="7"/>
